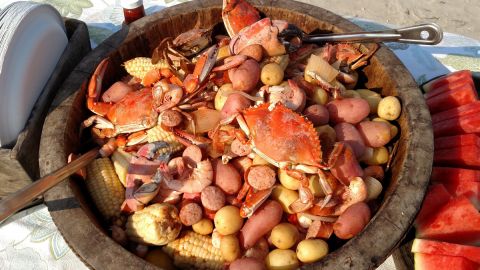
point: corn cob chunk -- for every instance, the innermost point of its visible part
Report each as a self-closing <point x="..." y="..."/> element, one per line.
<point x="139" y="66"/>
<point x="121" y="160"/>
<point x="157" y="224"/>
<point x="159" y="134"/>
<point x="105" y="188"/>
<point x="194" y="251"/>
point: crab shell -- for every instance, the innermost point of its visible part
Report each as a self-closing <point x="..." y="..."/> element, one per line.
<point x="238" y="14"/>
<point x="283" y="135"/>
<point x="134" y="112"/>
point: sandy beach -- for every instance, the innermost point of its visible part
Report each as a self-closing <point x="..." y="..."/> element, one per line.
<point x="454" y="16"/>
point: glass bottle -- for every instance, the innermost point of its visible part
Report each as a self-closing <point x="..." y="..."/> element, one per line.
<point x="132" y="10"/>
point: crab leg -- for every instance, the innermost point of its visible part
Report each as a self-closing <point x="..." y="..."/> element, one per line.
<point x="95" y="89"/>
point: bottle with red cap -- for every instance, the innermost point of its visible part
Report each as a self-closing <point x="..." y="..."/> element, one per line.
<point x="132" y="10"/>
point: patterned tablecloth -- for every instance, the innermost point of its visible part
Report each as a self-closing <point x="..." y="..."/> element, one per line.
<point x="30" y="240"/>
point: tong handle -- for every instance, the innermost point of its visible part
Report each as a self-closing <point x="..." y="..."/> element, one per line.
<point x="426" y="34"/>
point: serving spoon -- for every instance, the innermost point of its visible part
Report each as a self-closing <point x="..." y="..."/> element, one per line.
<point x="425" y="34"/>
<point x="18" y="200"/>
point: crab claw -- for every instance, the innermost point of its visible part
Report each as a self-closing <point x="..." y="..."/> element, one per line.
<point x="238" y="14"/>
<point x="354" y="193"/>
<point x="204" y="65"/>
<point x="95" y="89"/>
<point x="253" y="201"/>
<point x="264" y="33"/>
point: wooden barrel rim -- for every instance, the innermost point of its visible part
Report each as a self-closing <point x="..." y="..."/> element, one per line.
<point x="410" y="170"/>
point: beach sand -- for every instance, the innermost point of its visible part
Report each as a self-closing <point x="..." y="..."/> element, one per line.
<point x="454" y="16"/>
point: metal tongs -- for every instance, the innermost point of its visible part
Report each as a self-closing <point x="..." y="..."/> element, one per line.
<point x="426" y="34"/>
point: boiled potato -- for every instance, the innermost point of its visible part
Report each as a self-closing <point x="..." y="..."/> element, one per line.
<point x="204" y="226"/>
<point x="311" y="250"/>
<point x="285" y="197"/>
<point x="221" y="96"/>
<point x="389" y="108"/>
<point x="258" y="160"/>
<point x="365" y="93"/>
<point x="288" y="181"/>
<point x="284" y="235"/>
<point x="351" y="94"/>
<point x="230" y="248"/>
<point x="378" y="157"/>
<point x="314" y="186"/>
<point x="320" y="96"/>
<point x="281" y="259"/>
<point x="326" y="132"/>
<point x="159" y="258"/>
<point x="374" y="188"/>
<point x="227" y="220"/>
<point x="272" y="74"/>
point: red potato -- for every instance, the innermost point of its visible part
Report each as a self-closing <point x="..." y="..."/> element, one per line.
<point x="352" y="221"/>
<point x="375" y="134"/>
<point x="259" y="251"/>
<point x="190" y="214"/>
<point x="261" y="177"/>
<point x="116" y="92"/>
<point x="350" y="110"/>
<point x="227" y="177"/>
<point x="240" y="149"/>
<point x="374" y="171"/>
<point x="235" y="103"/>
<point x="317" y="114"/>
<point x="213" y="198"/>
<point x="254" y="51"/>
<point x="247" y="263"/>
<point x="260" y="223"/>
<point x="347" y="166"/>
<point x="347" y="133"/>
<point x="246" y="76"/>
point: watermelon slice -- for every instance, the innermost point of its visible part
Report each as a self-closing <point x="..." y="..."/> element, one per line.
<point x="431" y="87"/>
<point x="458" y="186"/>
<point x="460" y="95"/>
<point x="462" y="125"/>
<point x="448" y="249"/>
<point x="456" y="141"/>
<point x="441" y="173"/>
<point x="436" y="197"/>
<point x="457" y="222"/>
<point x="457" y="112"/>
<point x="464" y="156"/>
<point x="440" y="262"/>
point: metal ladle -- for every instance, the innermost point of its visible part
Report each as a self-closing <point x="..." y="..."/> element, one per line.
<point x="425" y="34"/>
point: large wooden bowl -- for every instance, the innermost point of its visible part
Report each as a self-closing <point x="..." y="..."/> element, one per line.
<point x="408" y="176"/>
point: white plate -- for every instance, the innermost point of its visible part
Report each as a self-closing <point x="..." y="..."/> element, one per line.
<point x="32" y="54"/>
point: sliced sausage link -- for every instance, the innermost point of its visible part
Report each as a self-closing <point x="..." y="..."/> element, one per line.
<point x="171" y="118"/>
<point x="240" y="149"/>
<point x="190" y="214"/>
<point x="261" y="177"/>
<point x="213" y="198"/>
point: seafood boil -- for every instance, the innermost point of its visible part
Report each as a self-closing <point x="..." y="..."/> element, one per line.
<point x="231" y="151"/>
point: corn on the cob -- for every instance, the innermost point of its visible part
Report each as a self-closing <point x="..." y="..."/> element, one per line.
<point x="194" y="251"/>
<point x="157" y="224"/>
<point x="121" y="160"/>
<point x="105" y="188"/>
<point x="139" y="66"/>
<point x="159" y="134"/>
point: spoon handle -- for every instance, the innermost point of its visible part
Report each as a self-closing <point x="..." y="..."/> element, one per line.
<point x="24" y="196"/>
<point x="426" y="34"/>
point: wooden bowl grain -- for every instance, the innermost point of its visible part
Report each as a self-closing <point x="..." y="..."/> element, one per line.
<point x="408" y="177"/>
